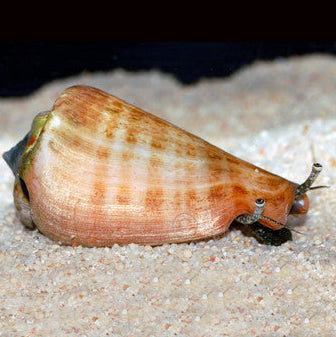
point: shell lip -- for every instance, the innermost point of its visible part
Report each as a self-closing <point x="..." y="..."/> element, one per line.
<point x="17" y="155"/>
<point x="19" y="159"/>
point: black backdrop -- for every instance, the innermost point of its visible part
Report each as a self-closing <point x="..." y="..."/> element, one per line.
<point x="25" y="66"/>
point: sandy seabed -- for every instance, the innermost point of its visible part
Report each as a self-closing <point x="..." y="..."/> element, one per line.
<point x="279" y="115"/>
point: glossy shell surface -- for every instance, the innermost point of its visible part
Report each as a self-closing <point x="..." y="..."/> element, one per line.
<point x="100" y="171"/>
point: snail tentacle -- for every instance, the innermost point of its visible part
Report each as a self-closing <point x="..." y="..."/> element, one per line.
<point x="279" y="223"/>
<point x="306" y="186"/>
<point x="317" y="187"/>
<point x="249" y="219"/>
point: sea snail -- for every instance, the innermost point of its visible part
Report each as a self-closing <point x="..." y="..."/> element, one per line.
<point x="95" y="171"/>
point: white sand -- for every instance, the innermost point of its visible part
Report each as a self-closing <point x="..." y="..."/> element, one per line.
<point x="279" y="115"/>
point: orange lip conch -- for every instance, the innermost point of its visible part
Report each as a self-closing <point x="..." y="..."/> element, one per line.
<point x="95" y="171"/>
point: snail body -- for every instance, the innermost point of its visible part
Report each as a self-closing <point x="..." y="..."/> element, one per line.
<point x="95" y="171"/>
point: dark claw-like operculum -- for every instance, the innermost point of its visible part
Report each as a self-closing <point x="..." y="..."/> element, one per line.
<point x="269" y="236"/>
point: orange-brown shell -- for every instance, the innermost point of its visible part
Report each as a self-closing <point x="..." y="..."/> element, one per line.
<point x="102" y="171"/>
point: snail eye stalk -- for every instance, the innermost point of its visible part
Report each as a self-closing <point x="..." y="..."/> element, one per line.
<point x="306" y="186"/>
<point x="301" y="203"/>
<point x="249" y="219"/>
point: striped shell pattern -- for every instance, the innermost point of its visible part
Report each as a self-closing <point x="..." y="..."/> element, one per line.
<point x="96" y="171"/>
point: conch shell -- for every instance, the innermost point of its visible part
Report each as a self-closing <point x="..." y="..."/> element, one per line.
<point x="95" y="171"/>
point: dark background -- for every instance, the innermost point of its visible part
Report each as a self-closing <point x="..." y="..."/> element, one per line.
<point x="25" y="66"/>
